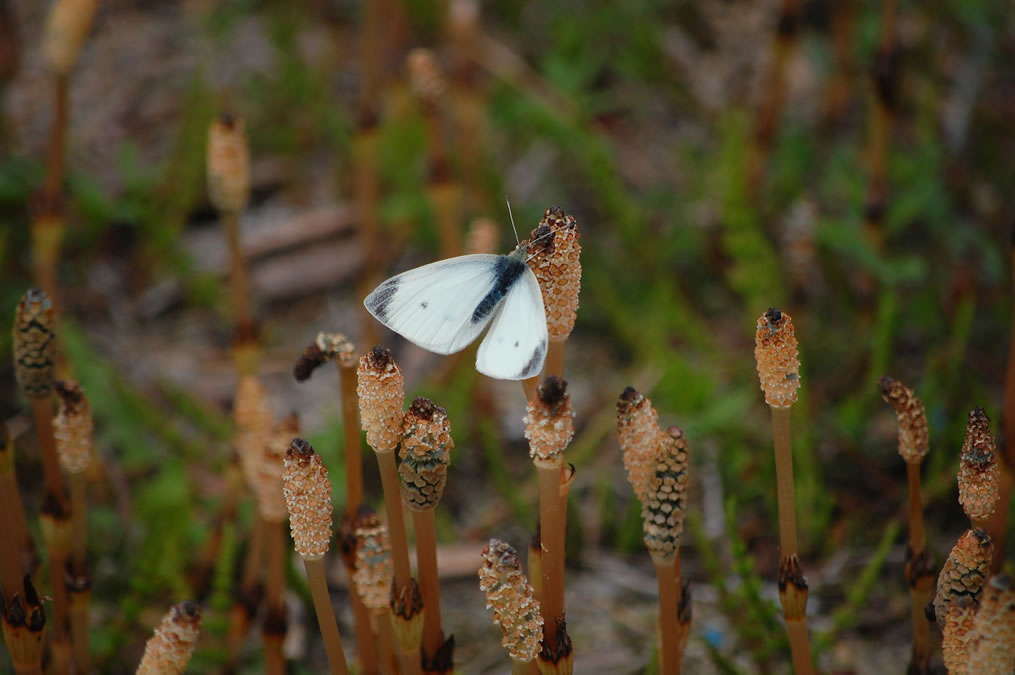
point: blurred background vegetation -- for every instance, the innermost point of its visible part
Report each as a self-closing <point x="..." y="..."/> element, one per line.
<point x="642" y="120"/>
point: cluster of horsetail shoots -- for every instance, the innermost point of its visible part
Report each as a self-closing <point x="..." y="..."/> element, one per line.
<point x="73" y="431"/>
<point x="168" y="651"/>
<point x="555" y="259"/>
<point x="657" y="466"/>
<point x="307" y="493"/>
<point x="425" y="455"/>
<point x="337" y="347"/>
<point x="34" y="365"/>
<point x="515" y="608"/>
<point x="914" y="443"/>
<point x="778" y="363"/>
<point x="381" y="392"/>
<point x="373" y="576"/>
<point x="549" y="428"/>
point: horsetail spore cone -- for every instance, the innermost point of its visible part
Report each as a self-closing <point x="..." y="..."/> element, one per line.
<point x="73" y="428"/>
<point x="510" y="596"/>
<point x="168" y="651"/>
<point x="549" y="422"/>
<point x="963" y="573"/>
<point x="638" y="434"/>
<point x="67" y="25"/>
<point x="307" y="493"/>
<point x="914" y="439"/>
<point x="228" y="164"/>
<point x="381" y="391"/>
<point x="556" y="261"/>
<point x="957" y="631"/>
<point x="777" y="356"/>
<point x="979" y="472"/>
<point x="35" y="344"/>
<point x="666" y="498"/>
<point x="324" y="348"/>
<point x="308" y="497"/>
<point x="992" y="646"/>
<point x="425" y="454"/>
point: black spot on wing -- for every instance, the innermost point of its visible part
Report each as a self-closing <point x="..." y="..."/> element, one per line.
<point x="424" y="304"/>
<point x="534" y="363"/>
<point x="506" y="272"/>
<point x="381" y="297"/>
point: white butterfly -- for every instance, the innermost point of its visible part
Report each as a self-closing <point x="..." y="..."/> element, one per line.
<point x="442" y="307"/>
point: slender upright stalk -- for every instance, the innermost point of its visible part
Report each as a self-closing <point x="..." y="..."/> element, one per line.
<point x="914" y="443"/>
<point x="308" y="498"/>
<point x="779" y="371"/>
<point x="20" y="548"/>
<point x="549" y="427"/>
<point x="773" y="91"/>
<point x="425" y="456"/>
<point x="350" y="428"/>
<point x="467" y="96"/>
<point x="373" y="580"/>
<point x="997" y="522"/>
<point x="837" y="90"/>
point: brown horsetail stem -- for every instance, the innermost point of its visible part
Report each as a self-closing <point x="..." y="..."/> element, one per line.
<point x="992" y="644"/>
<point x="308" y="497"/>
<point x="169" y="650"/>
<point x="515" y="609"/>
<point x="778" y="363"/>
<point x="34" y="363"/>
<point x="271" y="506"/>
<point x="443" y="191"/>
<point x="657" y="464"/>
<point x="381" y="392"/>
<point x="914" y="443"/>
<point x="555" y="259"/>
<point x="17" y="544"/>
<point x="227" y="166"/>
<point x="24" y="626"/>
<point x="549" y="428"/>
<point x="373" y="579"/>
<point x="425" y="455"/>
<point x="963" y="573"/>
<point x="73" y="431"/>
<point x="978" y="470"/>
<point x="337" y="347"/>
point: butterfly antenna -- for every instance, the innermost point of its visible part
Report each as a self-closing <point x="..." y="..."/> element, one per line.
<point x="512" y="217"/>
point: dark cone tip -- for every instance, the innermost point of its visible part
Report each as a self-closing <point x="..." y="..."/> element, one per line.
<point x="552" y="390"/>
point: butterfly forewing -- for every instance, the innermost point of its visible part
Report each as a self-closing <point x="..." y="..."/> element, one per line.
<point x="515" y="347"/>
<point x="433" y="305"/>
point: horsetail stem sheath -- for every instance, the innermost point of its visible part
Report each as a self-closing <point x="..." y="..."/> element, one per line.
<point x="24" y="627"/>
<point x="549" y="428"/>
<point x="778" y="363"/>
<point x="307" y="493"/>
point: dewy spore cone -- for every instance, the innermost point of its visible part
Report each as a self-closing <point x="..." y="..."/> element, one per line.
<point x="381" y="393"/>
<point x="914" y="439"/>
<point x="777" y="356"/>
<point x="425" y="454"/>
<point x="639" y="437"/>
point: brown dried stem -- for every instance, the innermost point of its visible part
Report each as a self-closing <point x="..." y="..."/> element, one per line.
<point x="17" y="545"/>
<point x="773" y="91"/>
<point x="325" y="614"/>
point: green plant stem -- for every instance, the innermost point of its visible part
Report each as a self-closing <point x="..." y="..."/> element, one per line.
<point x="325" y="615"/>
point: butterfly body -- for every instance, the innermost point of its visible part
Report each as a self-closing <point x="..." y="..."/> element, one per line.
<point x="444" y="306"/>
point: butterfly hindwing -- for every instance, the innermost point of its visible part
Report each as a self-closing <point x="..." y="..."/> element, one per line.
<point x="433" y="306"/>
<point x="515" y="347"/>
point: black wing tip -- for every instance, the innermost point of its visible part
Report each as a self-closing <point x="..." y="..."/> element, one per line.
<point x="377" y="302"/>
<point x="535" y="362"/>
